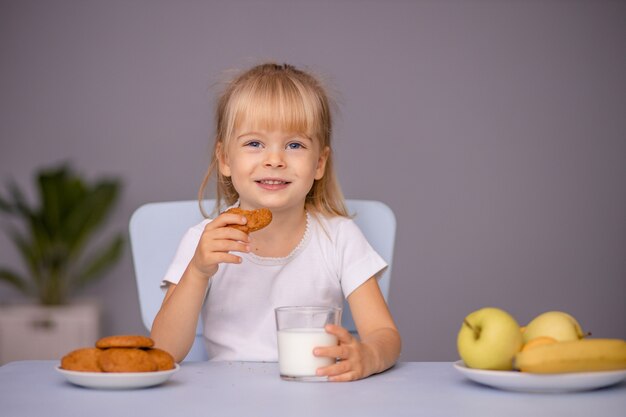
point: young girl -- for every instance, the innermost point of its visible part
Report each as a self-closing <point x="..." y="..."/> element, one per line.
<point x="272" y="149"/>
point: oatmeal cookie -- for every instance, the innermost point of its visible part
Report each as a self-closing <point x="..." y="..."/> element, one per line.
<point x="257" y="219"/>
<point x="125" y="341"/>
<point x="126" y="360"/>
<point x="84" y="360"/>
<point x="164" y="361"/>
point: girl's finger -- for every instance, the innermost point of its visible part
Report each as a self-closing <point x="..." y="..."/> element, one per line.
<point x="225" y="219"/>
<point x="334" y="369"/>
<point x="225" y="232"/>
<point x="328" y="351"/>
<point x="342" y="334"/>
<point x="225" y="246"/>
<point x="344" y="377"/>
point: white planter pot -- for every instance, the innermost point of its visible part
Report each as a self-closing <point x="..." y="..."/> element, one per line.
<point x="41" y="332"/>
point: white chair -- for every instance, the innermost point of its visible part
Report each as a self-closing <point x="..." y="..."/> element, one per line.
<point x="157" y="228"/>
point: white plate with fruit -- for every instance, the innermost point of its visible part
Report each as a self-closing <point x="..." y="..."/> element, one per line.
<point x="550" y="354"/>
<point x="545" y="383"/>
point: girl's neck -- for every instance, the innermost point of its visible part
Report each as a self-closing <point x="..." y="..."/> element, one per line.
<point x="281" y="236"/>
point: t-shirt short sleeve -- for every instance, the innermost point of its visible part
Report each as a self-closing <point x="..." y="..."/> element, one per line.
<point x="357" y="260"/>
<point x="184" y="253"/>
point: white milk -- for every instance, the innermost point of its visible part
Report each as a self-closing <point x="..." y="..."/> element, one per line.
<point x="295" y="351"/>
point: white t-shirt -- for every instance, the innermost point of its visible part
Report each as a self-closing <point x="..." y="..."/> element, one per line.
<point x="331" y="261"/>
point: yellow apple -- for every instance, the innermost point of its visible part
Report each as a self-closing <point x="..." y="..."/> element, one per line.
<point x="489" y="338"/>
<point x="556" y="324"/>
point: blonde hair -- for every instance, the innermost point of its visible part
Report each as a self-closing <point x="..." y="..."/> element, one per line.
<point x="273" y="96"/>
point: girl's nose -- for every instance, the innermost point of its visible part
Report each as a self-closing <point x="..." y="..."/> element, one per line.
<point x="274" y="159"/>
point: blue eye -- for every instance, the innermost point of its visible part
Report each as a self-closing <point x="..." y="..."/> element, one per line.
<point x="254" y="144"/>
<point x="295" y="145"/>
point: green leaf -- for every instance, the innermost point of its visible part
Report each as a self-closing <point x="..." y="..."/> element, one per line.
<point x="50" y="201"/>
<point x="40" y="236"/>
<point x="89" y="214"/>
<point x="5" y="206"/>
<point x="101" y="262"/>
<point x="20" y="205"/>
<point x="60" y="190"/>
<point x="30" y="256"/>
<point x="54" y="290"/>
<point x="16" y="280"/>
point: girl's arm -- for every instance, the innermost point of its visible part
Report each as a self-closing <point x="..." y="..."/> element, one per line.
<point x="380" y="344"/>
<point x="174" y="327"/>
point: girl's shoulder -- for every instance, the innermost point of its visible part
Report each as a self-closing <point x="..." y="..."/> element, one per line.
<point x="331" y="221"/>
<point x="335" y="227"/>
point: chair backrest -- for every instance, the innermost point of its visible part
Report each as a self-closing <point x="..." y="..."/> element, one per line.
<point x="157" y="228"/>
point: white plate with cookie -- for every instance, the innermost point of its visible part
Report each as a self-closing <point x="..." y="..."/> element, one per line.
<point x="117" y="380"/>
<point x="118" y="362"/>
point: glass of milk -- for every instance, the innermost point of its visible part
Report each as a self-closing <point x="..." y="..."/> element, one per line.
<point x="300" y="329"/>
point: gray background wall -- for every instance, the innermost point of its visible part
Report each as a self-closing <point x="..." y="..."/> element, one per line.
<point x="496" y="130"/>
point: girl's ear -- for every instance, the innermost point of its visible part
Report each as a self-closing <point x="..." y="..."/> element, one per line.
<point x="222" y="159"/>
<point x="321" y="163"/>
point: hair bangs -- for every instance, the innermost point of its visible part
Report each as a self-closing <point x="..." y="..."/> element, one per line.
<point x="275" y="104"/>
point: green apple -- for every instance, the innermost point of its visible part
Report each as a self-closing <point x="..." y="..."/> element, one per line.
<point x="489" y="339"/>
<point x="556" y="324"/>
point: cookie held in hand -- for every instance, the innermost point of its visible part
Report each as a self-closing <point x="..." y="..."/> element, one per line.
<point x="257" y="219"/>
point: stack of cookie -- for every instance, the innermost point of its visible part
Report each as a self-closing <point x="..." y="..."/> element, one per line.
<point x="121" y="353"/>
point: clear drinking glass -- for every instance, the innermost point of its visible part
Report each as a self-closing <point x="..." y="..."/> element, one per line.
<point x="300" y="329"/>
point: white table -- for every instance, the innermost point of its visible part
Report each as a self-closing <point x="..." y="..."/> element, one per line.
<point x="34" y="388"/>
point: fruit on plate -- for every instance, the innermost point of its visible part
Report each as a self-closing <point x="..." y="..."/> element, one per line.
<point x="556" y="324"/>
<point x="489" y="338"/>
<point x="584" y="355"/>
<point x="538" y="341"/>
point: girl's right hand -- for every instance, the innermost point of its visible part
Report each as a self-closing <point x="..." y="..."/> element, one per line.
<point x="216" y="243"/>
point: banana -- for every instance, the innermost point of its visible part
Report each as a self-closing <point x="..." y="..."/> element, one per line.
<point x="583" y="355"/>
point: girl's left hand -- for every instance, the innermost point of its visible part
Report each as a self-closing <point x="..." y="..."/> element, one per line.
<point x="353" y="357"/>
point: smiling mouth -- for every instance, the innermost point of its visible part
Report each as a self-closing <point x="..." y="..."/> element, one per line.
<point x="272" y="182"/>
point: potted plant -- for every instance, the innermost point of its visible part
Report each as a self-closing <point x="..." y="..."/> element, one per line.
<point x="55" y="242"/>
